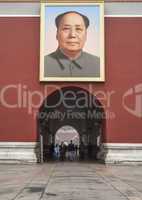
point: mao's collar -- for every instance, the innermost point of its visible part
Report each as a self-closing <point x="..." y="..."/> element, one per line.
<point x="64" y="61"/>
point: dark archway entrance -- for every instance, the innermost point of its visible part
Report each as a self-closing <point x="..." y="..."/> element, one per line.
<point x="75" y="107"/>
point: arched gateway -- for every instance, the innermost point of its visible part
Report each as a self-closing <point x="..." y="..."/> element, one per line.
<point x="75" y="107"/>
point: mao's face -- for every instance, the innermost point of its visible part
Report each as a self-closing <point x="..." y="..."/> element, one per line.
<point x="71" y="33"/>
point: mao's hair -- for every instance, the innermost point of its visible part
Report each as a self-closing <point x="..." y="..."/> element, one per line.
<point x="59" y="18"/>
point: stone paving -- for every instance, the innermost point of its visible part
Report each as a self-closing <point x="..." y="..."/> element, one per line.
<point x="70" y="181"/>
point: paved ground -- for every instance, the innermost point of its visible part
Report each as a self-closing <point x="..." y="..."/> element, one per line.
<point x="70" y="181"/>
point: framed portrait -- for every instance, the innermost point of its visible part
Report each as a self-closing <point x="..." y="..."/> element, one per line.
<point x="72" y="42"/>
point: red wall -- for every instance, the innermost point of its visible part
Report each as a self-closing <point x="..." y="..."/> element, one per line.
<point x="19" y="69"/>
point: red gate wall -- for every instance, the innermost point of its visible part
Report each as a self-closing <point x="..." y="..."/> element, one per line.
<point x="19" y="68"/>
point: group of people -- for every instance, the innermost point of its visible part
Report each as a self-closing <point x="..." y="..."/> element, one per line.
<point x="73" y="151"/>
<point x="64" y="152"/>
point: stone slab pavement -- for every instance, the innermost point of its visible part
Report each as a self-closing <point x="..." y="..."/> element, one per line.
<point x="70" y="181"/>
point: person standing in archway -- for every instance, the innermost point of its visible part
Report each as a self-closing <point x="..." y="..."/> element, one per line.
<point x="57" y="152"/>
<point x="63" y="149"/>
<point x="71" y="151"/>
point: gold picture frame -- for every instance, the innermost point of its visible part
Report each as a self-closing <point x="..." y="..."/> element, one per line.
<point x="94" y="45"/>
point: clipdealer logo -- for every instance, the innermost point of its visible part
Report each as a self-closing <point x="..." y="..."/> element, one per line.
<point x="20" y="96"/>
<point x="136" y="93"/>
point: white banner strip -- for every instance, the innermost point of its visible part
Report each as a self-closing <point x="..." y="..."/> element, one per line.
<point x="33" y="9"/>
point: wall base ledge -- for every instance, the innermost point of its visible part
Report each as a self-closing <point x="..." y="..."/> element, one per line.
<point x="19" y="152"/>
<point x="121" y="153"/>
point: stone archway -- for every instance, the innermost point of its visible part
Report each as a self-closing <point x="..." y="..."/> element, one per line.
<point x="75" y="107"/>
